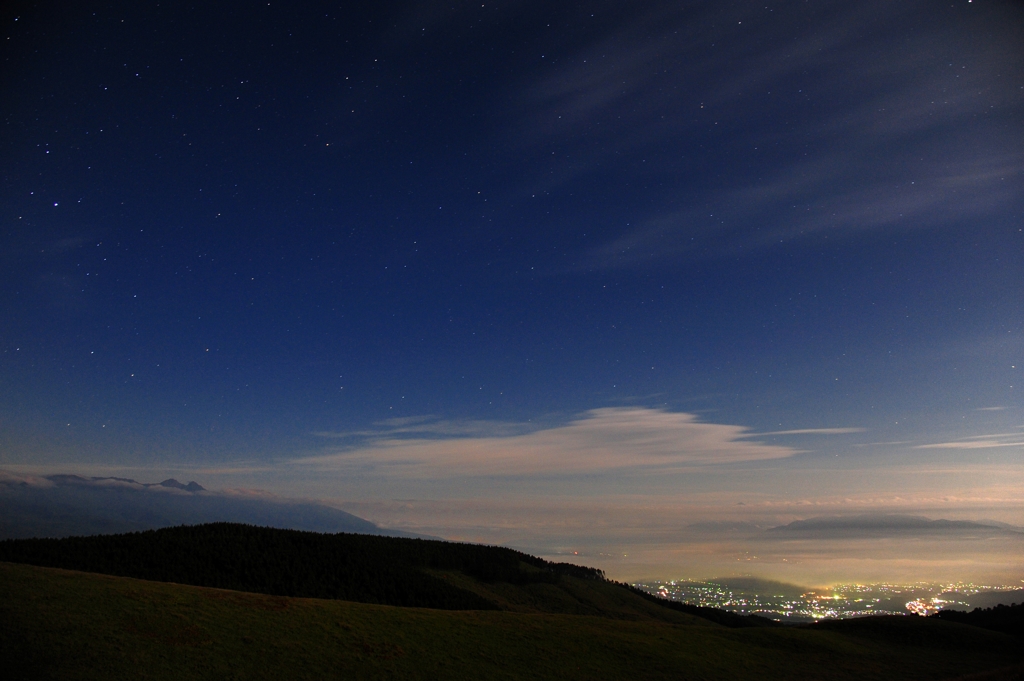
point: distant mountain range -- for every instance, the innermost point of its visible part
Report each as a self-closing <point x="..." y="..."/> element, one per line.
<point x="70" y="505"/>
<point x="984" y="599"/>
<point x="171" y="483"/>
<point x="849" y="527"/>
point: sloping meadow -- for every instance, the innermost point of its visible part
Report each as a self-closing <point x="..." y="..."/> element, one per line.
<point x="62" y="624"/>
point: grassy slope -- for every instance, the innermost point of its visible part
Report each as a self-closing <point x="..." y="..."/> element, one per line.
<point x="570" y="596"/>
<point x="69" y="625"/>
<point x="350" y="567"/>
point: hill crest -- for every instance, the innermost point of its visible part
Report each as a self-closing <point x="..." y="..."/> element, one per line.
<point x="354" y="567"/>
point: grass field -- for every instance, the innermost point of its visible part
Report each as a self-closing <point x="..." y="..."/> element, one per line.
<point x="59" y="624"/>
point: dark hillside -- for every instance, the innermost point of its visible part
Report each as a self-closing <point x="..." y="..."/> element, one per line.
<point x="1008" y="619"/>
<point x="362" y="568"/>
<point x="355" y="567"/>
<point x="59" y="624"/>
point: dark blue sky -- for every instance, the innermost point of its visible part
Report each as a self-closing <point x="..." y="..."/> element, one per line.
<point x="233" y="228"/>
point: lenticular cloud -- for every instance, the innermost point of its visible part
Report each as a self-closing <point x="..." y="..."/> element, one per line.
<point x="601" y="440"/>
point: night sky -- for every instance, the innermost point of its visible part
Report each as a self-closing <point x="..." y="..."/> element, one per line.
<point x="566" y="276"/>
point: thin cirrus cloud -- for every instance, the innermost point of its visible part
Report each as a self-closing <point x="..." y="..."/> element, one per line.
<point x="601" y="440"/>
<point x="899" y="132"/>
<point x="991" y="441"/>
<point x="791" y="205"/>
<point x="431" y="427"/>
<point x="812" y="431"/>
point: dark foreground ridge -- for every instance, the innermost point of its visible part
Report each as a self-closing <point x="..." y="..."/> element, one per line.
<point x="1007" y="619"/>
<point x="356" y="567"/>
<point x="353" y="567"/>
<point x="60" y="624"/>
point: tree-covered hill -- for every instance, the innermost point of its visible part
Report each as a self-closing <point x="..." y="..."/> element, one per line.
<point x="355" y="567"/>
<point x="1008" y="619"/>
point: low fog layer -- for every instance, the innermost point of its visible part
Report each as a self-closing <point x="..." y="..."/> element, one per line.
<point x="65" y="505"/>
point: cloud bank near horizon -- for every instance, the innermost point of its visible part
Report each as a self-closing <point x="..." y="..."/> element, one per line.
<point x="67" y="504"/>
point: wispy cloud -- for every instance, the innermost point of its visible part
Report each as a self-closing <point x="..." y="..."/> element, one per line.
<point x="600" y="440"/>
<point x="991" y="441"/>
<point x="431" y="427"/>
<point x="811" y="431"/>
<point x="975" y="444"/>
<point x="826" y="195"/>
<point x="888" y="443"/>
<point x="896" y="133"/>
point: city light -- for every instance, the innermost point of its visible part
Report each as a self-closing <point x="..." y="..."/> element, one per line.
<point x="837" y="601"/>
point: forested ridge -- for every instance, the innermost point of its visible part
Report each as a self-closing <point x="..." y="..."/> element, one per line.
<point x="364" y="568"/>
<point x="1008" y="619"/>
<point x="354" y="567"/>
